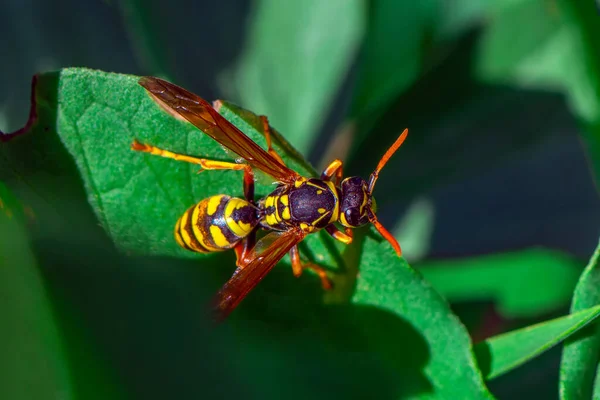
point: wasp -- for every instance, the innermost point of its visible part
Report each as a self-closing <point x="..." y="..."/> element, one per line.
<point x="297" y="207"/>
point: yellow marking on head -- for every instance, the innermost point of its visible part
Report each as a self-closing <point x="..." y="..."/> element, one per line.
<point x="213" y="204"/>
<point x="320" y="191"/>
<point x="285" y="214"/>
<point x="364" y="202"/>
<point x="285" y="199"/>
<point x="343" y="220"/>
<point x="321" y="210"/>
<point x="218" y="237"/>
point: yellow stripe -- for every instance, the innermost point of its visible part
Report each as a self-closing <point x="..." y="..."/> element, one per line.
<point x="299" y="181"/>
<point x="277" y="216"/>
<point x="197" y="219"/>
<point x="314" y="185"/>
<point x="270" y="201"/>
<point x="230" y="207"/>
<point x="285" y="214"/>
<point x="213" y="204"/>
<point x="185" y="235"/>
<point x="271" y="220"/>
<point x="218" y="237"/>
<point x="316" y="222"/>
<point x="364" y="202"/>
<point x="178" y="234"/>
<point x="343" y="219"/>
<point x="285" y="200"/>
<point x="239" y="228"/>
<point x="336" y="209"/>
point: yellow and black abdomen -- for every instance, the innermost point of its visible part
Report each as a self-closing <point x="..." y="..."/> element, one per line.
<point x="217" y="223"/>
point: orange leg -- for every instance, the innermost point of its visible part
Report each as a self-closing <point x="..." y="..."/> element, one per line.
<point x="298" y="267"/>
<point x="267" y="132"/>
<point x="333" y="170"/>
<point x="345" y="238"/>
<point x="204" y="163"/>
<point x="242" y="250"/>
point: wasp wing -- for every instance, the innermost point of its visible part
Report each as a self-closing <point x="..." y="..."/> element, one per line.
<point x="265" y="255"/>
<point x="202" y="115"/>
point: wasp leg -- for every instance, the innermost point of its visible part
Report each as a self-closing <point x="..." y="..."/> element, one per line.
<point x="204" y="163"/>
<point x="243" y="250"/>
<point x="345" y="238"/>
<point x="298" y="267"/>
<point x="267" y="132"/>
<point x="333" y="170"/>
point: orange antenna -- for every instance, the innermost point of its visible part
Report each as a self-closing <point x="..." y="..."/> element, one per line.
<point x="388" y="154"/>
<point x="385" y="233"/>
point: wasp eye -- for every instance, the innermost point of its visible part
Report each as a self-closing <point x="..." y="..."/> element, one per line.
<point x="353" y="216"/>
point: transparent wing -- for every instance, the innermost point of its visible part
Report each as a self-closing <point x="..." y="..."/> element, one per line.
<point x="202" y="115"/>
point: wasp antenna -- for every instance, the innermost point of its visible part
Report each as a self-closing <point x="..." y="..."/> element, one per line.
<point x="388" y="154"/>
<point x="385" y="233"/>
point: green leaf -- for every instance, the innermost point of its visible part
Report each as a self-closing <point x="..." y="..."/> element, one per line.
<point x="295" y="60"/>
<point x="34" y="365"/>
<point x="433" y="342"/>
<point x="502" y="353"/>
<point x="137" y="198"/>
<point x="523" y="283"/>
<point x="393" y="52"/>
<point x="557" y="50"/>
<point x="580" y="356"/>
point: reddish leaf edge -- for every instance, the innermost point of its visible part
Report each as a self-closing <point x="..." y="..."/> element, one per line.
<point x="31" y="120"/>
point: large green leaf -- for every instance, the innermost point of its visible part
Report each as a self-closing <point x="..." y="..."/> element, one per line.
<point x="295" y="60"/>
<point x="500" y="354"/>
<point x="34" y="363"/>
<point x="580" y="357"/>
<point x="523" y="284"/>
<point x="137" y="197"/>
<point x="432" y="342"/>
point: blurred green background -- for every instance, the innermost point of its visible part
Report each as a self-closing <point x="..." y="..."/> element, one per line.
<point x="492" y="196"/>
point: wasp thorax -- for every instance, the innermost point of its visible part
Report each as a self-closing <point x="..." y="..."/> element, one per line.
<point x="355" y="201"/>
